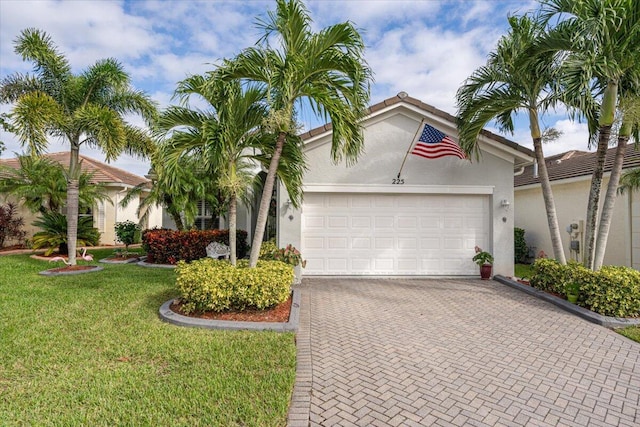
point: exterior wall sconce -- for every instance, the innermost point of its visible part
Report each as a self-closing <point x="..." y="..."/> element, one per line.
<point x="505" y="204"/>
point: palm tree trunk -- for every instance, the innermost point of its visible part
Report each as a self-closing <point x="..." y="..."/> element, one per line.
<point x="233" y="214"/>
<point x="610" y="199"/>
<point x="72" y="202"/>
<point x="549" y="203"/>
<point x="594" y="196"/>
<point x="265" y="201"/>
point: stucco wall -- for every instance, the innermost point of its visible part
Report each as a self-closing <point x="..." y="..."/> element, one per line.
<point x="387" y="139"/>
<point x="634" y="226"/>
<point x="571" y="205"/>
<point x="105" y="215"/>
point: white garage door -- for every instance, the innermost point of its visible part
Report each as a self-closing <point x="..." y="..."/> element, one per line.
<point x="393" y="234"/>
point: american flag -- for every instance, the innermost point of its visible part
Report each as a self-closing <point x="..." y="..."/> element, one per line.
<point x="433" y="144"/>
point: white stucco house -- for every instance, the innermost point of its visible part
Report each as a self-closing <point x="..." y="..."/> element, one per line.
<point x="368" y="220"/>
<point x="105" y="214"/>
<point x="570" y="176"/>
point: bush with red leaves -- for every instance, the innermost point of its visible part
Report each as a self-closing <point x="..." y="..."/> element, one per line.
<point x="170" y="246"/>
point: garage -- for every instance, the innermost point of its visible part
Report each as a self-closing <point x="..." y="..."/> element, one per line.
<point x="393" y="234"/>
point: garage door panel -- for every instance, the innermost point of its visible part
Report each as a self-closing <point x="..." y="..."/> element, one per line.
<point x="361" y="222"/>
<point x="384" y="222"/>
<point x="361" y="243"/>
<point x="382" y="234"/>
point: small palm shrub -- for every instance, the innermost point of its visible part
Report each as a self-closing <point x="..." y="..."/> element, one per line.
<point x="216" y="285"/>
<point x="10" y="224"/>
<point x="54" y="233"/>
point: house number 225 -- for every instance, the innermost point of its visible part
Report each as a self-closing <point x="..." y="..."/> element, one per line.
<point x="397" y="181"/>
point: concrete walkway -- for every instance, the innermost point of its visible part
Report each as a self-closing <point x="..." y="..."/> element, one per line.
<point x="387" y="352"/>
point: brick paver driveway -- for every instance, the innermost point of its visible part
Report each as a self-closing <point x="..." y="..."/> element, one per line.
<point x="455" y="352"/>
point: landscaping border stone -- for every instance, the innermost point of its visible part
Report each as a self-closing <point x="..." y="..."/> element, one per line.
<point x="71" y="272"/>
<point x="599" y="319"/>
<point x="122" y="261"/>
<point x="152" y="265"/>
<point x="170" y="316"/>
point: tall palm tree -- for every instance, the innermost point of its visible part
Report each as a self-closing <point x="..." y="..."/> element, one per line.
<point x="599" y="44"/>
<point x="514" y="79"/>
<point x="41" y="184"/>
<point x="220" y="139"/>
<point x="629" y="110"/>
<point x="325" y="68"/>
<point x="82" y="109"/>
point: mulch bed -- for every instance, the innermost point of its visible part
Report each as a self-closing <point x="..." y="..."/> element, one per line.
<point x="72" y="268"/>
<point x="279" y="313"/>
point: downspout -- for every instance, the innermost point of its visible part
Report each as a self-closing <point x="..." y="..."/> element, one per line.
<point x="535" y="169"/>
<point x="519" y="172"/>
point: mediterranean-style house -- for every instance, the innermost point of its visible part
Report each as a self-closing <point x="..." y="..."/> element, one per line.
<point x="570" y="175"/>
<point x="395" y="213"/>
<point x="105" y="215"/>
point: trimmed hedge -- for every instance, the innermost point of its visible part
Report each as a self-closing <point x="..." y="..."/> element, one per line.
<point x="170" y="246"/>
<point x="611" y="291"/>
<point x="216" y="285"/>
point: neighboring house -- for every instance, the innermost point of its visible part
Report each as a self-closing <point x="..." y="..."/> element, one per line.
<point x="105" y="214"/>
<point x="367" y="220"/>
<point x="570" y="175"/>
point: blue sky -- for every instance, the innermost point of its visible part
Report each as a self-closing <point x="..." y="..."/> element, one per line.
<point x="425" y="48"/>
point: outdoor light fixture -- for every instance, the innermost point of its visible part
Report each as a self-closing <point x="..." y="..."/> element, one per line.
<point x="505" y="203"/>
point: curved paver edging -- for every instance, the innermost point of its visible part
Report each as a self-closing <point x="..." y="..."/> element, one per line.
<point x="70" y="273"/>
<point x="152" y="265"/>
<point x="122" y="261"/>
<point x="599" y="319"/>
<point x="170" y="316"/>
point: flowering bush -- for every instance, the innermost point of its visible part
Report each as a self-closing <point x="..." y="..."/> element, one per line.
<point x="170" y="246"/>
<point x="289" y="255"/>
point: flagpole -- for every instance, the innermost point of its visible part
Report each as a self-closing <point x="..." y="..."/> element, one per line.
<point x="412" y="142"/>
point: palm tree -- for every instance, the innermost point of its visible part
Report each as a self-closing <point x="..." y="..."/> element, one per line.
<point x="222" y="140"/>
<point x="82" y="109"/>
<point x="41" y="184"/>
<point x="514" y="79"/>
<point x="178" y="193"/>
<point x="599" y="43"/>
<point x="325" y="68"/>
<point x="630" y="181"/>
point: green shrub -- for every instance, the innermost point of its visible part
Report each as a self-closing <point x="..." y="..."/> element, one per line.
<point x="520" y="245"/>
<point x="290" y="255"/>
<point x="54" y="233"/>
<point x="128" y="233"/>
<point x="615" y="292"/>
<point x="612" y="291"/>
<point x="215" y="285"/>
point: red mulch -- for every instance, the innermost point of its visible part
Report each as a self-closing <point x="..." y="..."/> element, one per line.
<point x="73" y="268"/>
<point x="279" y="313"/>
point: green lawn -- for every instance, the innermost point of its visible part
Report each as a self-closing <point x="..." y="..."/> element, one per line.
<point x="90" y="350"/>
<point x="523" y="271"/>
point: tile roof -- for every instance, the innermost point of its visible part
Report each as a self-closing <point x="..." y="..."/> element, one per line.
<point x="102" y="172"/>
<point x="403" y="97"/>
<point x="574" y="164"/>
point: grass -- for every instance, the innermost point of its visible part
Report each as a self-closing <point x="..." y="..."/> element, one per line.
<point x="91" y="350"/>
<point x="631" y="332"/>
<point x="523" y="271"/>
